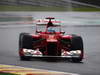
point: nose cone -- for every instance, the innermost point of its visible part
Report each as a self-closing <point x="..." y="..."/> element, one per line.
<point x="52" y="38"/>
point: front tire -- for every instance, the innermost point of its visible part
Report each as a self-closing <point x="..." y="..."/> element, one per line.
<point x="77" y="44"/>
<point x="24" y="58"/>
<point x="25" y="41"/>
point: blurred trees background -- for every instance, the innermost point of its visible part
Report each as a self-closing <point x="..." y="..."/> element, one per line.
<point x="50" y="5"/>
<point x="93" y="2"/>
<point x="46" y="2"/>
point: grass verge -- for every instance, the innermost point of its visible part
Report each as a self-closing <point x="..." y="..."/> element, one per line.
<point x="30" y="8"/>
<point x="86" y="9"/>
<point x="38" y="8"/>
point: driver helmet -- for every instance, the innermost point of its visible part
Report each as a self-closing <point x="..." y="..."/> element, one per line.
<point x="50" y="29"/>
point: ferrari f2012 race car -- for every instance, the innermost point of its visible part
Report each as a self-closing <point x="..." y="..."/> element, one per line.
<point x="50" y="41"/>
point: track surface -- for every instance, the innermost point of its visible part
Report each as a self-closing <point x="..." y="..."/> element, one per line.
<point x="90" y="65"/>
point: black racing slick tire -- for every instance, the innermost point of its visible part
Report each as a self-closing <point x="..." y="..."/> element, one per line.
<point x="77" y="44"/>
<point x="24" y="58"/>
<point x="25" y="41"/>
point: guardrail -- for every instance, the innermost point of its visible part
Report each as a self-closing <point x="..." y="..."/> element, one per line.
<point x="57" y="3"/>
<point x="34" y="2"/>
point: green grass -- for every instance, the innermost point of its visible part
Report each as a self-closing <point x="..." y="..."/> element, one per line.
<point x="38" y="8"/>
<point x="1" y="73"/>
<point x="30" y="8"/>
<point x="86" y="9"/>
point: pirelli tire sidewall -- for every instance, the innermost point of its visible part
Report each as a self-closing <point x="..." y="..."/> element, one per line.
<point x="77" y="44"/>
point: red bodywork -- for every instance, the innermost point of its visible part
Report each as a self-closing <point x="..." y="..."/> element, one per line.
<point x="51" y="43"/>
<point x="51" y="38"/>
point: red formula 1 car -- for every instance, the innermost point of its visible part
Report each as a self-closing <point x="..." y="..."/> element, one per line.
<point x="50" y="41"/>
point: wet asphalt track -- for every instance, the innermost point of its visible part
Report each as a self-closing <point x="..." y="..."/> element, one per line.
<point x="89" y="66"/>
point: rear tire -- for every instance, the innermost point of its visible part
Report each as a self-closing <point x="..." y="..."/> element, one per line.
<point x="77" y="44"/>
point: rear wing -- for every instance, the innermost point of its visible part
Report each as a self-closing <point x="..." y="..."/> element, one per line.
<point x="46" y="21"/>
